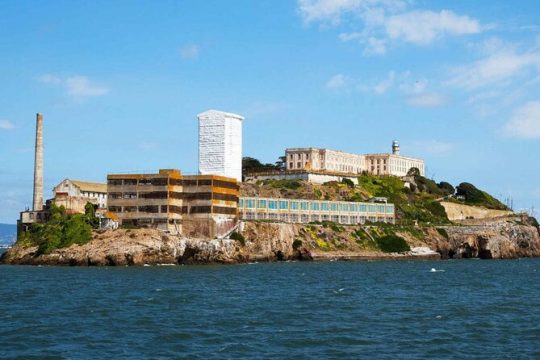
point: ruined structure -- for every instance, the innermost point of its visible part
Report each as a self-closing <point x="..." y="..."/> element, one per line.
<point x="73" y="195"/>
<point x="200" y="205"/>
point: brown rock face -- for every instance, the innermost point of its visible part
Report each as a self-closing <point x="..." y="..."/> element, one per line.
<point x="501" y="239"/>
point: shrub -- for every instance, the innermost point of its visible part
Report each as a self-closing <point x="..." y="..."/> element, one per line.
<point x="442" y="232"/>
<point x="238" y="237"/>
<point x="348" y="182"/>
<point x="475" y="196"/>
<point x="446" y="188"/>
<point x="61" y="230"/>
<point x="392" y="243"/>
<point x="297" y="243"/>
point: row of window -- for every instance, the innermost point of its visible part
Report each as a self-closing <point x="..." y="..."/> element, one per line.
<point x="174" y="195"/>
<point x="306" y="218"/>
<point x="297" y="205"/>
<point x="163" y="209"/>
<point x="177" y="182"/>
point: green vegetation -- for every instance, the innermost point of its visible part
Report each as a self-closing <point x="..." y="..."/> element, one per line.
<point x="250" y="164"/>
<point x="238" y="237"/>
<point x="474" y="196"/>
<point x="283" y="184"/>
<point x="411" y="205"/>
<point x="348" y="182"/>
<point x="61" y="230"/>
<point x="443" y="232"/>
<point x="392" y="243"/>
<point x="297" y="243"/>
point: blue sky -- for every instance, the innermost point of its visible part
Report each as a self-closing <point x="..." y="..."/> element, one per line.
<point x="120" y="84"/>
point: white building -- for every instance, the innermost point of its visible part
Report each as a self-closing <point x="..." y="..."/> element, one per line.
<point x="324" y="160"/>
<point x="74" y="194"/>
<point x="394" y="163"/>
<point x="220" y="144"/>
<point x="338" y="162"/>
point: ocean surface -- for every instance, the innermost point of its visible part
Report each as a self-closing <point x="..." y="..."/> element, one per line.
<point x="380" y="309"/>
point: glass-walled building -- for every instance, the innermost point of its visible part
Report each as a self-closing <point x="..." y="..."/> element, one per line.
<point x="305" y="211"/>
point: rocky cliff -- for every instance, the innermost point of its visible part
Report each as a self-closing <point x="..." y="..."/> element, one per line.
<point x="508" y="237"/>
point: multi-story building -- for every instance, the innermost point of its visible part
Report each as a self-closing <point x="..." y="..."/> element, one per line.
<point x="331" y="161"/>
<point x="199" y="205"/>
<point x="394" y="163"/>
<point x="305" y="211"/>
<point x="220" y="144"/>
<point x="324" y="160"/>
<point x="146" y="200"/>
<point x="73" y="195"/>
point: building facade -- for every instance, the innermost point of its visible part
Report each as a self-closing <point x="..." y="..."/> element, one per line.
<point x="305" y="211"/>
<point x="220" y="144"/>
<point x="338" y="162"/>
<point x="391" y="164"/>
<point x="200" y="205"/>
<point x="73" y="195"/>
<point x="324" y="160"/>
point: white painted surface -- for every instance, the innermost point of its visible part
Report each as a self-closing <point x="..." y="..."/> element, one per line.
<point x="220" y="144"/>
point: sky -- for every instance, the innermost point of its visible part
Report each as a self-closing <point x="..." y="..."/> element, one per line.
<point x="120" y="84"/>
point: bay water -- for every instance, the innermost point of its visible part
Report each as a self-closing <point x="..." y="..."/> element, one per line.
<point x="379" y="309"/>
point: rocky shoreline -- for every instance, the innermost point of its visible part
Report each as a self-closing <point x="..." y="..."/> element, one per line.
<point x="502" y="238"/>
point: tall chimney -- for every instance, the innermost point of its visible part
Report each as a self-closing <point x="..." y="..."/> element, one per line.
<point x="38" y="165"/>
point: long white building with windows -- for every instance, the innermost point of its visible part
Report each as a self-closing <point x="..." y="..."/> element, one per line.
<point x="305" y="211"/>
<point x="339" y="162"/>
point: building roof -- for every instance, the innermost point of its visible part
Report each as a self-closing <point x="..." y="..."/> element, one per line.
<point x="90" y="186"/>
<point x="212" y="114"/>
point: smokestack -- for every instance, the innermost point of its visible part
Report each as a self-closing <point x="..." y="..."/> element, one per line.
<point x="38" y="165"/>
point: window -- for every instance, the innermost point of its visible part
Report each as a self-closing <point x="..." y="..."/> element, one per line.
<point x="298" y="165"/>
<point x="283" y="205"/>
<point x="261" y="204"/>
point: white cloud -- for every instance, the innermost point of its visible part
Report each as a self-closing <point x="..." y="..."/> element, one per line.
<point x="146" y="145"/>
<point x="326" y="10"/>
<point x="337" y="81"/>
<point x="423" y="27"/>
<point x="432" y="147"/>
<point x="383" y="21"/>
<point x="525" y="122"/>
<point x="497" y="68"/>
<point x="385" y="84"/>
<point x="6" y="125"/>
<point x="190" y="52"/>
<point x="50" y="79"/>
<point x="77" y="86"/>
<point x="426" y="100"/>
<point x="80" y="86"/>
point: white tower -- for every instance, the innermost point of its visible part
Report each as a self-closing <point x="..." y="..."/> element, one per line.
<point x="220" y="144"/>
<point x="395" y="147"/>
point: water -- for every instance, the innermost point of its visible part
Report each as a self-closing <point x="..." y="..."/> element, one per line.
<point x="472" y="309"/>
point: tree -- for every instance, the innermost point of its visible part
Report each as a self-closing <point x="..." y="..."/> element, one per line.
<point x="446" y="187"/>
<point x="413" y="172"/>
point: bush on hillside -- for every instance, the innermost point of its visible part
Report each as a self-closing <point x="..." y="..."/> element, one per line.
<point x="238" y="237"/>
<point x="62" y="230"/>
<point x="392" y="243"/>
<point x="348" y="182"/>
<point x="475" y="196"/>
<point x="446" y="188"/>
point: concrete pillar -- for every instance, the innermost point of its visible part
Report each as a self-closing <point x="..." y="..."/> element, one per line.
<point x="38" y="165"/>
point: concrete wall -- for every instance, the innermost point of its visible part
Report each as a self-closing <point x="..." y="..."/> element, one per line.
<point x="457" y="212"/>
